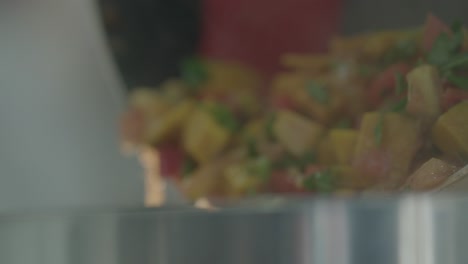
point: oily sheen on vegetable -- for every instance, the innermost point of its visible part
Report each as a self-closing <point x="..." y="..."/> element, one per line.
<point x="381" y="111"/>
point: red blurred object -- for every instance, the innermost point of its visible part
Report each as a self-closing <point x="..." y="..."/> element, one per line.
<point x="171" y="158"/>
<point x="453" y="96"/>
<point x="257" y="32"/>
<point x="373" y="165"/>
<point x="384" y="83"/>
<point x="282" y="182"/>
<point x="433" y="27"/>
<point x="283" y="102"/>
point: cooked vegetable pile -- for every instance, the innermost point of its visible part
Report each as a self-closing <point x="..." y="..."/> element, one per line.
<point x="384" y="111"/>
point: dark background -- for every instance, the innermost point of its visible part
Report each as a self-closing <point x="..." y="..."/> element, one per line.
<point x="149" y="38"/>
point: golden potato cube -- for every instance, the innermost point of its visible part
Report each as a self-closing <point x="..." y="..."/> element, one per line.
<point x="325" y="113"/>
<point x="424" y="92"/>
<point x="203" y="138"/>
<point x="208" y="180"/>
<point x="395" y="135"/>
<point x="169" y="124"/>
<point x="149" y="101"/>
<point x="297" y="133"/>
<point x="246" y="177"/>
<point x="347" y="177"/>
<point x="343" y="143"/>
<point x="254" y="129"/>
<point x="325" y="153"/>
<point x="229" y="77"/>
<point x="450" y="132"/>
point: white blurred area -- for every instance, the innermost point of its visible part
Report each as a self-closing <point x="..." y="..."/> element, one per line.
<point x="60" y="98"/>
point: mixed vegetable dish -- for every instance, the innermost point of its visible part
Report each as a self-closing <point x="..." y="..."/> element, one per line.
<point x="382" y="111"/>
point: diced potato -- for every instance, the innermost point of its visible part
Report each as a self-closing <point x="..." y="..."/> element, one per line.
<point x="431" y="174"/>
<point x="325" y="113"/>
<point x="247" y="177"/>
<point x="424" y="92"/>
<point x="371" y="45"/>
<point x="396" y="138"/>
<point x="207" y="180"/>
<point x="169" y="124"/>
<point x="149" y="101"/>
<point x="204" y="182"/>
<point x="343" y="142"/>
<point x="309" y="62"/>
<point x="348" y="177"/>
<point x="325" y="153"/>
<point x="285" y="82"/>
<point x="203" y="138"/>
<point x="174" y="90"/>
<point x="450" y="132"/>
<point x="296" y="133"/>
<point x="229" y="77"/>
<point x="254" y="129"/>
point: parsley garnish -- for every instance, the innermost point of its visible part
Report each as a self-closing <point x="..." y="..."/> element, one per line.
<point x="252" y="147"/>
<point x="194" y="72"/>
<point x="188" y="167"/>
<point x="401" y="85"/>
<point x="444" y="55"/>
<point x="269" y="127"/>
<point x="301" y="163"/>
<point x="365" y="70"/>
<point x="378" y="130"/>
<point x="403" y="50"/>
<point x="399" y="106"/>
<point x="318" y="92"/>
<point x="460" y="82"/>
<point x="306" y="159"/>
<point x="322" y="181"/>
<point x="260" y="167"/>
<point x="224" y="117"/>
<point x="445" y="47"/>
<point x="344" y="123"/>
<point x="455" y="62"/>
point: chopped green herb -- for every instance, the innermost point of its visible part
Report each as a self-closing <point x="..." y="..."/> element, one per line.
<point x="365" y="70"/>
<point x="194" y="72"/>
<point x="252" y="147"/>
<point x="188" y="167"/>
<point x="403" y="50"/>
<point x="344" y="123"/>
<point x="269" y="127"/>
<point x="401" y="85"/>
<point x="306" y="159"/>
<point x="224" y="117"/>
<point x="286" y="161"/>
<point x="335" y="65"/>
<point x="301" y="163"/>
<point x="260" y="167"/>
<point x="455" y="62"/>
<point x="309" y="183"/>
<point x="441" y="50"/>
<point x="318" y="92"/>
<point x="378" y="130"/>
<point x="459" y="81"/>
<point x="458" y="34"/>
<point x="399" y="106"/>
<point x="445" y="47"/>
<point x="420" y="62"/>
<point x="322" y="181"/>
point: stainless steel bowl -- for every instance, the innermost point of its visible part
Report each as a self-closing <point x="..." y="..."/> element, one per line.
<point x="405" y="229"/>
